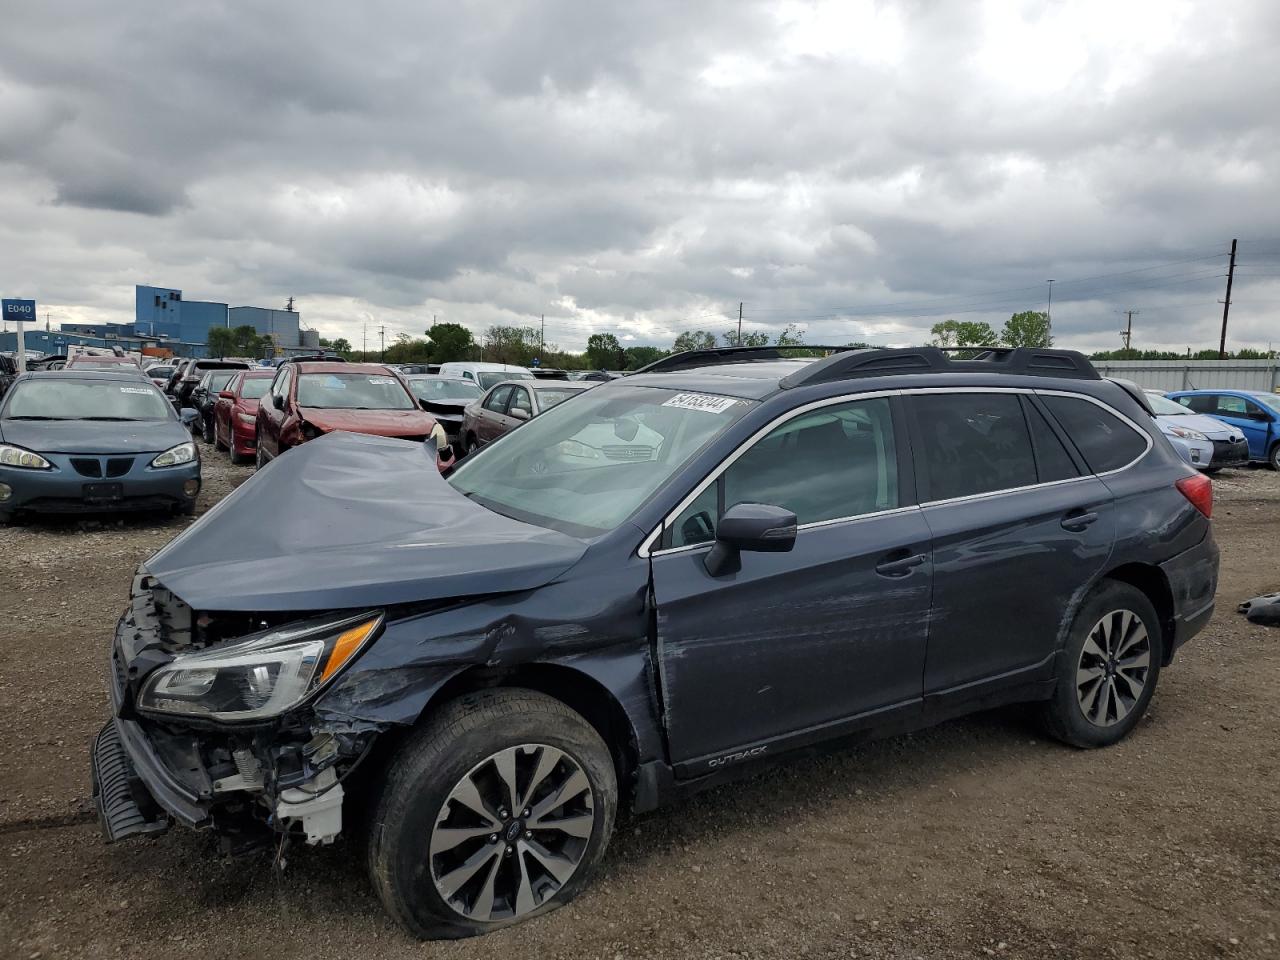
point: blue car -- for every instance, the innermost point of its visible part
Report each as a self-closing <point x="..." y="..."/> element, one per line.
<point x="1255" y="412"/>
<point x="80" y="441"/>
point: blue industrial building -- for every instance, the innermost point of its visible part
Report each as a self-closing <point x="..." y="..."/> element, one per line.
<point x="162" y="317"/>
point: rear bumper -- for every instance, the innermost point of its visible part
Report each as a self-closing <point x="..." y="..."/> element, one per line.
<point x="1193" y="581"/>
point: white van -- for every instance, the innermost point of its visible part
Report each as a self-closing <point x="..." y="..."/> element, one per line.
<point x="484" y="375"/>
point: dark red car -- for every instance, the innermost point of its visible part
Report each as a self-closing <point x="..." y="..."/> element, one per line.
<point x="235" y="413"/>
<point x="311" y="398"/>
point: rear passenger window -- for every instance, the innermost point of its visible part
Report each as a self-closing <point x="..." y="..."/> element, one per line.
<point x="972" y="443"/>
<point x="835" y="462"/>
<point x="1052" y="460"/>
<point x="1105" y="441"/>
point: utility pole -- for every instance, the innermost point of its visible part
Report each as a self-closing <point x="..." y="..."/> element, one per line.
<point x="364" y="339"/>
<point x="542" y="348"/>
<point x="739" y="323"/>
<point x="1048" y="314"/>
<point x="1127" y="332"/>
<point x="1226" y="304"/>
<point x="382" y="338"/>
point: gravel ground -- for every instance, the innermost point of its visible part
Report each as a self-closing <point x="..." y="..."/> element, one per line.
<point x="976" y="838"/>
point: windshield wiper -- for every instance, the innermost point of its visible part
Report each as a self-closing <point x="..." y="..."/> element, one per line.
<point x="111" y="418"/>
<point x="36" y="416"/>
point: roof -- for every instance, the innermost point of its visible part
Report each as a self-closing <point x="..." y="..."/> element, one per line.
<point x="328" y="366"/>
<point x="554" y="384"/>
<point x="750" y="380"/>
<point x="129" y="376"/>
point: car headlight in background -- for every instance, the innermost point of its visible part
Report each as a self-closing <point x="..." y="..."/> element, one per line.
<point x="247" y="419"/>
<point x="17" y="457"/>
<point x="176" y="456"/>
<point x="1186" y="433"/>
<point x="261" y="677"/>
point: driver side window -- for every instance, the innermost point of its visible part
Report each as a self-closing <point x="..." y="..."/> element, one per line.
<point x="828" y="464"/>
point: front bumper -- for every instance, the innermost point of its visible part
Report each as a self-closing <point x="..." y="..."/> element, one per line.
<point x="1230" y="454"/>
<point x="65" y="489"/>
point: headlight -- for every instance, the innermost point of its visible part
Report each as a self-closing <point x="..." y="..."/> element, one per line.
<point x="17" y="457"/>
<point x="261" y="677"/>
<point x="176" y="456"/>
<point x="247" y="419"/>
<point x="1187" y="433"/>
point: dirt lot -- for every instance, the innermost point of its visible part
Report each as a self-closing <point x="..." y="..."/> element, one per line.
<point x="978" y="838"/>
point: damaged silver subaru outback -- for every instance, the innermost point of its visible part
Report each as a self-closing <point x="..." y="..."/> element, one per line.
<point x="653" y="587"/>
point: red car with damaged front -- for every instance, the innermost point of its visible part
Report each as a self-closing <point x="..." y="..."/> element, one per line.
<point x="310" y="398"/>
<point x="235" y="413"/>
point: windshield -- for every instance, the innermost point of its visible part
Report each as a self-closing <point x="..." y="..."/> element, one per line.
<point x="442" y="388"/>
<point x="1271" y="400"/>
<point x="352" y="391"/>
<point x="548" y="398"/>
<point x="255" y="388"/>
<point x="158" y="373"/>
<point x="1164" y="407"/>
<point x="86" y="400"/>
<point x="219" y="380"/>
<point x="584" y="467"/>
<point x="490" y="378"/>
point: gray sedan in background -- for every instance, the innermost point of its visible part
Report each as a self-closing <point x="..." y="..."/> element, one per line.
<point x="84" y="441"/>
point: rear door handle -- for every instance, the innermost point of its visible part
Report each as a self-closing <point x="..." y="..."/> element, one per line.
<point x="899" y="566"/>
<point x="1078" y="520"/>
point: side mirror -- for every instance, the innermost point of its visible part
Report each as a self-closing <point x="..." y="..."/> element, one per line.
<point x="226" y="395"/>
<point x="518" y="414"/>
<point x="277" y="401"/>
<point x="755" y="527"/>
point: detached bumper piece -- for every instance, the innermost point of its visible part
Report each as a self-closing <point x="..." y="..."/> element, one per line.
<point x="115" y="790"/>
<point x="1229" y="454"/>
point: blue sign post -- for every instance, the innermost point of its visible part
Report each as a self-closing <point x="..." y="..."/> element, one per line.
<point x="20" y="311"/>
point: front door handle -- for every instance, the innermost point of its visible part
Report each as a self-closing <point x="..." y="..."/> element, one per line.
<point x="899" y="566"/>
<point x="1078" y="520"/>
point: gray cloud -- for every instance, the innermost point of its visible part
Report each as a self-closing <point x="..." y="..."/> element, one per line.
<point x="863" y="169"/>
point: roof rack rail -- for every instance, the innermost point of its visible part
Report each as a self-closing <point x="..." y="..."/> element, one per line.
<point x="1022" y="361"/>
<point x="712" y="356"/>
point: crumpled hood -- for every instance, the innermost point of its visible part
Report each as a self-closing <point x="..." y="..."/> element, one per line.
<point x="384" y="423"/>
<point x="350" y="520"/>
<point x="94" y="436"/>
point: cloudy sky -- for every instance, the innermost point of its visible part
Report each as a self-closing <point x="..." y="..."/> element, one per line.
<point x="862" y="169"/>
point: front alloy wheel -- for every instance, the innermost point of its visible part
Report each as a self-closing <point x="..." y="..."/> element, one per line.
<point x="511" y="833"/>
<point x="1112" y="672"/>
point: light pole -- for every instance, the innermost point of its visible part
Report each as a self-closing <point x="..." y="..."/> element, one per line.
<point x="1049" y="312"/>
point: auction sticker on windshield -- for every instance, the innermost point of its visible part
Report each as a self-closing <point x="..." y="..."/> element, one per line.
<point x="142" y="390"/>
<point x="381" y="381"/>
<point x="701" y="401"/>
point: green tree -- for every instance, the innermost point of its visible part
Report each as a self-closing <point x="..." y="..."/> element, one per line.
<point x="637" y="357"/>
<point x="450" y="342"/>
<point x="518" y="345"/>
<point x="339" y="345"/>
<point x="1030" y="328"/>
<point x="406" y="349"/>
<point x="749" y="338"/>
<point x="963" y="333"/>
<point x="604" y="352"/>
<point x="791" y="336"/>
<point x="694" y="340"/>
<point x="221" y="342"/>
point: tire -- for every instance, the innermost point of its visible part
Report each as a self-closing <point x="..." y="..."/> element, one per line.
<point x="259" y="461"/>
<point x="217" y="440"/>
<point x="1084" y="712"/>
<point x="1273" y="457"/>
<point x="236" y="458"/>
<point x="206" y="429"/>
<point x="460" y="749"/>
<point x="472" y="444"/>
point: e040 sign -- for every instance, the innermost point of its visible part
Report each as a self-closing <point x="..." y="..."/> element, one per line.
<point x="24" y="310"/>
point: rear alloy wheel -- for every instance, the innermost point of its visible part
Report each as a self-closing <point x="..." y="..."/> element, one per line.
<point x="1107" y="670"/>
<point x="1273" y="458"/>
<point x="498" y="810"/>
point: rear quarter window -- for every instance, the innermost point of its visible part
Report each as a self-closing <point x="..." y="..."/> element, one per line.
<point x="1104" y="440"/>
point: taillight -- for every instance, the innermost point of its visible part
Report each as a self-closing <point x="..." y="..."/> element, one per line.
<point x="1199" y="491"/>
